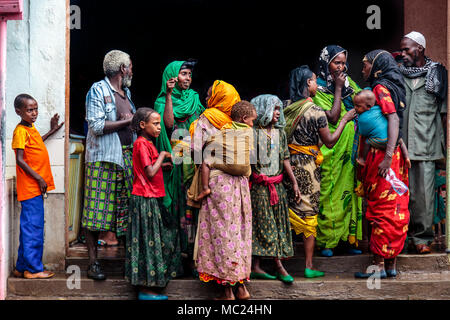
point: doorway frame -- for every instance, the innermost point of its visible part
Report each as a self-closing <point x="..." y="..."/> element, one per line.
<point x="67" y="132"/>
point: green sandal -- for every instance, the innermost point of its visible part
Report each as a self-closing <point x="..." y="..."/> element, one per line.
<point x="263" y="276"/>
<point x="309" y="273"/>
<point x="285" y="279"/>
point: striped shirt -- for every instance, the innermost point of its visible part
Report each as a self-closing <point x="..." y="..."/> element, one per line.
<point x="101" y="107"/>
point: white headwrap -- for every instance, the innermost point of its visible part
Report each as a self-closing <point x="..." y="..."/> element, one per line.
<point x="417" y="37"/>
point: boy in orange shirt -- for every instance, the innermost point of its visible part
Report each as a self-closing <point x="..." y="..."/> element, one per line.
<point x="34" y="179"/>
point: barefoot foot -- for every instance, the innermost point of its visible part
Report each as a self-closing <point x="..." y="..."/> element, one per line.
<point x="204" y="193"/>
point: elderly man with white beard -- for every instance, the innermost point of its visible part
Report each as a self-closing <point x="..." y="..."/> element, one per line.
<point x="108" y="159"/>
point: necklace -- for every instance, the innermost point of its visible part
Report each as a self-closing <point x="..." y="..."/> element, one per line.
<point x="270" y="136"/>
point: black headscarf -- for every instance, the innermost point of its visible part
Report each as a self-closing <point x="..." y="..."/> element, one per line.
<point x="327" y="55"/>
<point x="298" y="84"/>
<point x="385" y="71"/>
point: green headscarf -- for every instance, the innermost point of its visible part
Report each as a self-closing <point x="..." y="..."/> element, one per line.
<point x="184" y="103"/>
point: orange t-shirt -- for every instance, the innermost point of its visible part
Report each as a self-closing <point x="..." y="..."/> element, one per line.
<point x="36" y="156"/>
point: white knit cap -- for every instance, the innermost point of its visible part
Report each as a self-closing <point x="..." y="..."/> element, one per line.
<point x="417" y="37"/>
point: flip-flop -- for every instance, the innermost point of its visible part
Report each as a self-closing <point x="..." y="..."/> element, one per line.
<point x="326" y="253"/>
<point x="103" y="243"/>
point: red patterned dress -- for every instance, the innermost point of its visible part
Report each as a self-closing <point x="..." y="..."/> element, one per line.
<point x="387" y="211"/>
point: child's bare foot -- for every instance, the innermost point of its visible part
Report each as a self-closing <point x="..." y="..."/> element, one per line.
<point x="108" y="238"/>
<point x="361" y="162"/>
<point x="227" y="294"/>
<point x="204" y="193"/>
<point x="281" y="270"/>
<point x="242" y="292"/>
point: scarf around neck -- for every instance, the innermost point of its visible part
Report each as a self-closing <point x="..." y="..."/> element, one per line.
<point x="435" y="77"/>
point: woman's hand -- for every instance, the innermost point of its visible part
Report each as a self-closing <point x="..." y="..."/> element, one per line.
<point x="297" y="194"/>
<point x="384" y="166"/>
<point x="170" y="85"/>
<point x="339" y="80"/>
<point x="350" y="115"/>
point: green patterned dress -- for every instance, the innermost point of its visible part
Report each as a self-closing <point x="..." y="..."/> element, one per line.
<point x="152" y="251"/>
<point x="270" y="224"/>
<point x="340" y="214"/>
<point x="152" y="254"/>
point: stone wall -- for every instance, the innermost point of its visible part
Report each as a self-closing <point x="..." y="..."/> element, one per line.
<point x="429" y="18"/>
<point x="36" y="65"/>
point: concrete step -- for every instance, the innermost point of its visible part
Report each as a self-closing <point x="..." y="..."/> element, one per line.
<point x="434" y="262"/>
<point x="63" y="286"/>
<point x="407" y="286"/>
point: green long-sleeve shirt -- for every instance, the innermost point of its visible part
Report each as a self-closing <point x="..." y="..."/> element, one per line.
<point x="422" y="126"/>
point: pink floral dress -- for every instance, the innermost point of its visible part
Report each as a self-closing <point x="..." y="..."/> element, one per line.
<point x="224" y="224"/>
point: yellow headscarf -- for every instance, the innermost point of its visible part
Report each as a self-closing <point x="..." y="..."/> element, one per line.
<point x="223" y="97"/>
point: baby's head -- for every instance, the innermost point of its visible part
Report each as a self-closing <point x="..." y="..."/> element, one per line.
<point x="244" y="112"/>
<point x="364" y="100"/>
<point x="26" y="107"/>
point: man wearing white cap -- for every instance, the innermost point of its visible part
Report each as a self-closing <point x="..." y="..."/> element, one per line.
<point x="423" y="133"/>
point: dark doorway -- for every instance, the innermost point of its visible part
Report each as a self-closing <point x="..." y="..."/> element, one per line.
<point x="251" y="44"/>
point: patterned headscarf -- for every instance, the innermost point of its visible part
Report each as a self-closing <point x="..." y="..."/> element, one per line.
<point x="328" y="54"/>
<point x="265" y="105"/>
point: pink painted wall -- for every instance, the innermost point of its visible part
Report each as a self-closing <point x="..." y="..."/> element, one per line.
<point x="9" y="10"/>
<point x="3" y="242"/>
<point x="429" y="18"/>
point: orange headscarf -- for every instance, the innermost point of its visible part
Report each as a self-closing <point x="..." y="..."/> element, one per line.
<point x="218" y="111"/>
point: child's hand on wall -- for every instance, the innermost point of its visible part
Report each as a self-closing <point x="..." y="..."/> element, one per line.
<point x="54" y="126"/>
